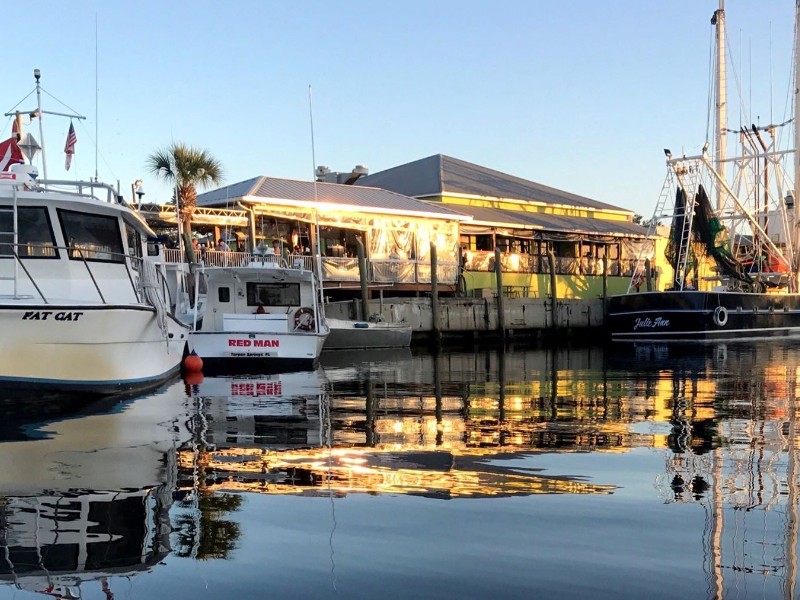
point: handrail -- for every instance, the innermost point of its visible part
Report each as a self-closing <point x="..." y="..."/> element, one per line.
<point x="30" y="277"/>
<point x="80" y="252"/>
<point x="111" y="192"/>
<point x="130" y="275"/>
<point x="89" y="270"/>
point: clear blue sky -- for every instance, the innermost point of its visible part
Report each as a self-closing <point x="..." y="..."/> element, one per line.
<point x="579" y="95"/>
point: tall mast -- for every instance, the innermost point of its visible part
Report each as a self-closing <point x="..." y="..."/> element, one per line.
<point x="721" y="95"/>
<point x="796" y="211"/>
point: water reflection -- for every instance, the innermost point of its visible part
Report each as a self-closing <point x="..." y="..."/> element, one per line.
<point x="659" y="455"/>
<point x="471" y="424"/>
<point x="86" y="496"/>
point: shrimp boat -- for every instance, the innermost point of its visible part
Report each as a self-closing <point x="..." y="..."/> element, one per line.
<point x="83" y="299"/>
<point x="731" y="248"/>
<point x="261" y="316"/>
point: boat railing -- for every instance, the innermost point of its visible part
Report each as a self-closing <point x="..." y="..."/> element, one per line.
<point x="85" y="189"/>
<point x="88" y="257"/>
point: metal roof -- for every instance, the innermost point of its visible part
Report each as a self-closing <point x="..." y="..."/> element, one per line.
<point x="308" y="193"/>
<point x="553" y="223"/>
<point x="441" y="175"/>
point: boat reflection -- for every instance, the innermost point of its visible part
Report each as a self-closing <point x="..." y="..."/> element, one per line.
<point x="88" y="496"/>
<point x="420" y="426"/>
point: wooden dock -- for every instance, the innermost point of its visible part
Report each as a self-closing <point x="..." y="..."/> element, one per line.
<point x="482" y="318"/>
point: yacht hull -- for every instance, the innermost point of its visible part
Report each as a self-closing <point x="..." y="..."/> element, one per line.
<point x="690" y="315"/>
<point x="362" y="335"/>
<point x="87" y="348"/>
<point x="257" y="352"/>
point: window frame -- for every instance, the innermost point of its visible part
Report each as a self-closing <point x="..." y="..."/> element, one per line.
<point x="49" y="227"/>
<point x="116" y="257"/>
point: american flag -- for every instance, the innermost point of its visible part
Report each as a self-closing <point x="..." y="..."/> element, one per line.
<point x="69" y="148"/>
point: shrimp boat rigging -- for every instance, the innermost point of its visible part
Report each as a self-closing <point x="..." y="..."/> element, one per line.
<point x="732" y="247"/>
<point x="84" y="305"/>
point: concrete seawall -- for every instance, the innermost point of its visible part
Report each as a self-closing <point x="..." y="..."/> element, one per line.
<point x="472" y="317"/>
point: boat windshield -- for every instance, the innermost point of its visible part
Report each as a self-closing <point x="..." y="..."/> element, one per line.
<point x="92" y="237"/>
<point x="273" y="294"/>
<point x="34" y="233"/>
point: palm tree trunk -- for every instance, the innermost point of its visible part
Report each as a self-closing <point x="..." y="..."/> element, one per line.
<point x="187" y="240"/>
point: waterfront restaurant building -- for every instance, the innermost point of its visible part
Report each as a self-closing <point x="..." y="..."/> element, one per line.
<point x="526" y="221"/>
<point x="396" y="231"/>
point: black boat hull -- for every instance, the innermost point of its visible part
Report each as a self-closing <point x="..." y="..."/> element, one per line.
<point x="702" y="316"/>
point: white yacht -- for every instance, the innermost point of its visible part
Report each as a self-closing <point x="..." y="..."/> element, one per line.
<point x="84" y="304"/>
<point x="83" y="299"/>
<point x="261" y="316"/>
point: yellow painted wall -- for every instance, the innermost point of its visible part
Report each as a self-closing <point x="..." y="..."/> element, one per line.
<point x="535" y="207"/>
<point x="538" y="284"/>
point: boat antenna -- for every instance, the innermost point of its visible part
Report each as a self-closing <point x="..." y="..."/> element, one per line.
<point x="37" y="75"/>
<point x="96" y="109"/>
<point x="318" y="249"/>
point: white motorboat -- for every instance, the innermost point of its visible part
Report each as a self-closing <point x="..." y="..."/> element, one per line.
<point x="83" y="301"/>
<point x="365" y="335"/>
<point x="262" y="316"/>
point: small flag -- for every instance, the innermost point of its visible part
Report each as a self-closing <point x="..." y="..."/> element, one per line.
<point x="10" y="154"/>
<point x="69" y="148"/>
<point x="15" y="130"/>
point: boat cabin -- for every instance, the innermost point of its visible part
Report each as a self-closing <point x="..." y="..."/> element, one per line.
<point x="81" y="244"/>
<point x="261" y="298"/>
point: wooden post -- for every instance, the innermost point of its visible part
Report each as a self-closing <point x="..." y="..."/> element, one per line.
<point x="605" y="280"/>
<point x="437" y="328"/>
<point x="252" y="227"/>
<point x="498" y="275"/>
<point x="551" y="258"/>
<point x="363" y="276"/>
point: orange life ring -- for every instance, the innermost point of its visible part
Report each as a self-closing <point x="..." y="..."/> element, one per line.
<point x="304" y="319"/>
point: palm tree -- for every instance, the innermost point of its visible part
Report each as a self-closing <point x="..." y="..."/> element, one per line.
<point x="185" y="168"/>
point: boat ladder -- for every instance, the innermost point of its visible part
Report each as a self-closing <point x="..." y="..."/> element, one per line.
<point x="8" y="243"/>
<point x="639" y="274"/>
<point x="688" y="176"/>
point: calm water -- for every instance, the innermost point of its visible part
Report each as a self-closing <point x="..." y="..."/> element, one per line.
<point x="656" y="472"/>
